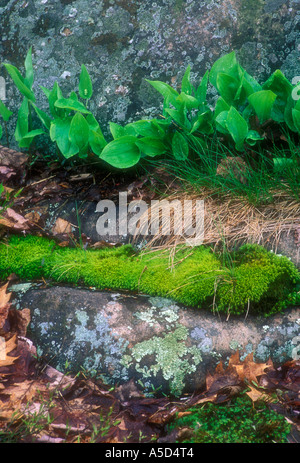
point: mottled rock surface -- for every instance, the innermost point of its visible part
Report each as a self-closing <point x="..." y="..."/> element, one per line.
<point x="152" y="340"/>
<point x="124" y="42"/>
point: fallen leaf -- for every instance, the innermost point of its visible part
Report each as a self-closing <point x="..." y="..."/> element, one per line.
<point x="61" y="227"/>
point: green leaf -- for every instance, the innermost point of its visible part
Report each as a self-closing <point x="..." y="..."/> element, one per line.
<point x="177" y="116"/>
<point x="5" y="112"/>
<point x="226" y="64"/>
<point x="227" y="87"/>
<point x="79" y="131"/>
<point x="59" y="132"/>
<point x="85" y="84"/>
<point x="117" y="130"/>
<point x="186" y="86"/>
<point x="54" y="95"/>
<point x="71" y="104"/>
<point x="237" y="127"/>
<point x="252" y="137"/>
<point x="281" y="86"/>
<point x="202" y="89"/>
<point x="221" y="106"/>
<point x="46" y="120"/>
<point x="22" y="121"/>
<point x="19" y="81"/>
<point x="296" y="119"/>
<point x="97" y="141"/>
<point x="165" y="90"/>
<point x="262" y="102"/>
<point x="187" y="100"/>
<point x="221" y="122"/>
<point x="29" y="76"/>
<point x="26" y="141"/>
<point x="122" y="152"/>
<point x="180" y="147"/>
<point x="280" y="164"/>
<point x="203" y="123"/>
<point x="151" y="146"/>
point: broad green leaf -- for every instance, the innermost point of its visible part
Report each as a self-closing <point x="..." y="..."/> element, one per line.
<point x="148" y="128"/>
<point x="59" y="132"/>
<point x="4" y="112"/>
<point x="29" y="76"/>
<point x="71" y="104"/>
<point x="281" y="164"/>
<point x="122" y="152"/>
<point x="79" y="131"/>
<point x="227" y="87"/>
<point x="226" y="64"/>
<point x="296" y="119"/>
<point x="221" y="122"/>
<point x="22" y="121"/>
<point x="202" y="88"/>
<point x="221" y="106"/>
<point x="187" y="100"/>
<point x="186" y="86"/>
<point x="178" y="117"/>
<point x="165" y="90"/>
<point x="249" y="83"/>
<point x="54" y="95"/>
<point x="19" y="81"/>
<point x="203" y="123"/>
<point x="252" y="137"/>
<point x="151" y="146"/>
<point x="180" y="147"/>
<point x="97" y="141"/>
<point x="46" y="120"/>
<point x="26" y="141"/>
<point x="281" y="86"/>
<point x="85" y="84"/>
<point x="237" y="127"/>
<point x="117" y="130"/>
<point x="262" y="102"/>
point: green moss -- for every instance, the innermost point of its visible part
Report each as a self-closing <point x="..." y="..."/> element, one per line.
<point x="237" y="421"/>
<point x="196" y="277"/>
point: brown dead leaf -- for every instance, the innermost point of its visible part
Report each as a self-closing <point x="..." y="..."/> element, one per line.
<point x="12" y="219"/>
<point x="6" y="346"/>
<point x="248" y="369"/>
<point x="4" y="305"/>
<point x="255" y="394"/>
<point x="61" y="227"/>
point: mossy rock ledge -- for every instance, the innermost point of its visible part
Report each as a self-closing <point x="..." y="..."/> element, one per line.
<point x="162" y="345"/>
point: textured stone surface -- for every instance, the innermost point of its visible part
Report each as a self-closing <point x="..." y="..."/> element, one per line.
<point x="124" y="42"/>
<point x="153" y="340"/>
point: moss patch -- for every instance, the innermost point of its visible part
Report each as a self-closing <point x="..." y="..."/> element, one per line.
<point x="196" y="277"/>
<point x="239" y="421"/>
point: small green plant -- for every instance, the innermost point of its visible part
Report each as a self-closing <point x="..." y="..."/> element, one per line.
<point x="237" y="421"/>
<point x="5" y="113"/>
<point x="187" y="111"/>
